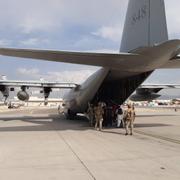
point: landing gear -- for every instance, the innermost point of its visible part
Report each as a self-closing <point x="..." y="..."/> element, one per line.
<point x="70" y="114"/>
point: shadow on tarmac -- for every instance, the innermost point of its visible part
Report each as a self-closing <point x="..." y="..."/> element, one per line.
<point x="55" y="122"/>
<point x="143" y="125"/>
<point x="46" y="123"/>
<point x="157" y="115"/>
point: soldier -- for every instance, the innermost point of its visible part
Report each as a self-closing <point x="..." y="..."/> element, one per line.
<point x="90" y="113"/>
<point x="133" y="114"/>
<point x="129" y="117"/>
<point x="98" y="110"/>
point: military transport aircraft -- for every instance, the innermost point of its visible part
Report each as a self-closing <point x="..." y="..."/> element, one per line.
<point x="145" y="47"/>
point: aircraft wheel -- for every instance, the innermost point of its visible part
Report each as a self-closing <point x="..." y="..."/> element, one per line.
<point x="70" y="115"/>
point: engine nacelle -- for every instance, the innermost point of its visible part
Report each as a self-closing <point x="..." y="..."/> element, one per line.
<point x="4" y="90"/>
<point x="144" y="95"/>
<point x="150" y="97"/>
<point x="23" y="96"/>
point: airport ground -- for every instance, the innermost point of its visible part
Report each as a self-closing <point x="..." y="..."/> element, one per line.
<point x="36" y="143"/>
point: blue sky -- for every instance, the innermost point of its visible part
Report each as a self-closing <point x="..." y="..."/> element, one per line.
<point x="79" y="25"/>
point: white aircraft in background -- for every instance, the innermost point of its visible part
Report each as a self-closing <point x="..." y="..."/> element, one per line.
<point x="145" y="48"/>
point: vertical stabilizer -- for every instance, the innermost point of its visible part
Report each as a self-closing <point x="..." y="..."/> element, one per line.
<point x="145" y="24"/>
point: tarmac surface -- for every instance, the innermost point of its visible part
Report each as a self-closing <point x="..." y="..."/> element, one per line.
<point x="38" y="144"/>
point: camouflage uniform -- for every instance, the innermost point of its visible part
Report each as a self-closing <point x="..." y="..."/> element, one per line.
<point x="98" y="110"/>
<point x="129" y="118"/>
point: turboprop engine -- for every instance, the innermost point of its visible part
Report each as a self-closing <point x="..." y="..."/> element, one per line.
<point x="5" y="92"/>
<point x="23" y="95"/>
<point x="143" y="94"/>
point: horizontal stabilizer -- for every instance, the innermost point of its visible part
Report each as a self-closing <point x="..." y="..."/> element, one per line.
<point x="172" y="64"/>
<point x="94" y="59"/>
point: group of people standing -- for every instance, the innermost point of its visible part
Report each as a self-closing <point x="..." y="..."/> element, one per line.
<point x="101" y="114"/>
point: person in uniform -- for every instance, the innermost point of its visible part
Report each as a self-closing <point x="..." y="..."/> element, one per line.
<point x="129" y="117"/>
<point x="133" y="114"/>
<point x="98" y="110"/>
<point x="90" y="113"/>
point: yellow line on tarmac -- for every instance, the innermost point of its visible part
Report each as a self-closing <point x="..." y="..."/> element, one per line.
<point x="158" y="137"/>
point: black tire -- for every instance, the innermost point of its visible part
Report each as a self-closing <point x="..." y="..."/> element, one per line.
<point x="70" y="115"/>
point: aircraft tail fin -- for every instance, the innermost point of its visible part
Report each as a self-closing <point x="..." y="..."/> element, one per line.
<point x="145" y="24"/>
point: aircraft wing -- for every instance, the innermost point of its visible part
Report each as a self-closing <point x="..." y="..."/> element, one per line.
<point x="9" y="85"/>
<point x="160" y="86"/>
<point x="155" y="88"/>
<point x="37" y="84"/>
<point x="148" y="92"/>
<point x="94" y="59"/>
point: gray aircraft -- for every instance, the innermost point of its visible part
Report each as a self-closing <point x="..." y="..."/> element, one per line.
<point x="145" y="47"/>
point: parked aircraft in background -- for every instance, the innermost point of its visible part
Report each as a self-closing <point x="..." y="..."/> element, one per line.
<point x="145" y="47"/>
